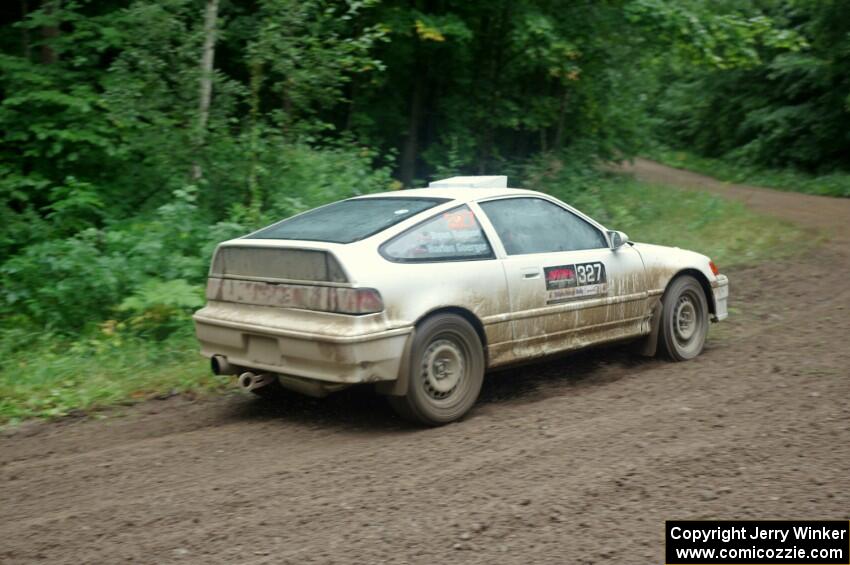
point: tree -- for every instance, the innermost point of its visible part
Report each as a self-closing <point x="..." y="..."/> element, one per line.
<point x="790" y="108"/>
<point x="207" y="58"/>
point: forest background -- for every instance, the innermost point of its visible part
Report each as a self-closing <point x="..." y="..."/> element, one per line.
<point x="136" y="134"/>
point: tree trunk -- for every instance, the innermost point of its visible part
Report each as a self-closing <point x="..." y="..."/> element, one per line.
<point x="521" y="143"/>
<point x="49" y="32"/>
<point x="352" y="101"/>
<point x="495" y="33"/>
<point x="411" y="144"/>
<point x="286" y="105"/>
<point x="562" y="118"/>
<point x="207" y="59"/>
<point x="255" y="194"/>
<point x="25" y="32"/>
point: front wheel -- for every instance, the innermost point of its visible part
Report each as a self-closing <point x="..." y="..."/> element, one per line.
<point x="684" y="319"/>
<point x="446" y="372"/>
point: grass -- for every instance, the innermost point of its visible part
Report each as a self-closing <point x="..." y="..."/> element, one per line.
<point x="834" y="184"/>
<point x="45" y="376"/>
<point x="724" y="230"/>
<point x="55" y="377"/>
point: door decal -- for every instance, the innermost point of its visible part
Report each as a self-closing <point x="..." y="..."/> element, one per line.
<point x="568" y="282"/>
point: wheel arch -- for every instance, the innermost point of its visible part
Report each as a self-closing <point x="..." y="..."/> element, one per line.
<point x="649" y="346"/>
<point x="703" y="282"/>
<point x="398" y="387"/>
<point x="464" y="313"/>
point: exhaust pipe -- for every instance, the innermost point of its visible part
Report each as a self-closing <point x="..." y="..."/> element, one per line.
<point x="250" y="381"/>
<point x="221" y="366"/>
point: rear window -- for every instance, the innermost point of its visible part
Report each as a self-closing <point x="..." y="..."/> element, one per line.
<point x="349" y="220"/>
<point x="451" y="236"/>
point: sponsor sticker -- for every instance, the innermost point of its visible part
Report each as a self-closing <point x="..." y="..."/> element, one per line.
<point x="568" y="282"/>
<point x="460" y="220"/>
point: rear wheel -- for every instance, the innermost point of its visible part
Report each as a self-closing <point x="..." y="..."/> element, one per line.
<point x="684" y="319"/>
<point x="446" y="372"/>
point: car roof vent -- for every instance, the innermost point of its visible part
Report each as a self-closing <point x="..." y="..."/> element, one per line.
<point x="493" y="181"/>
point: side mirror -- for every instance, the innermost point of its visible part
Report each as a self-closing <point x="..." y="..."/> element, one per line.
<point x="617" y="239"/>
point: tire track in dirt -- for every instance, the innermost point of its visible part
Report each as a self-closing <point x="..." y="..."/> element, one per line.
<point x="577" y="460"/>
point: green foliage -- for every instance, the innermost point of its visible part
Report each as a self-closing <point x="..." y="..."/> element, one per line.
<point x="307" y="178"/>
<point x="159" y="307"/>
<point x="701" y="34"/>
<point x="789" y="111"/>
<point x="100" y="107"/>
<point x="74" y="206"/>
<point x="494" y="82"/>
<point x="117" y="180"/>
<point x="304" y="51"/>
<point x="67" y="284"/>
<point x="48" y="376"/>
<point x="63" y="283"/>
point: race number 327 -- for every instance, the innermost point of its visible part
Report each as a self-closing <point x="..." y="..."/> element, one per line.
<point x="590" y="273"/>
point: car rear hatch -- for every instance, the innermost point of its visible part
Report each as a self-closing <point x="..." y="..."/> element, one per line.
<point x="292" y="309"/>
<point x="288" y="287"/>
<point x="277" y="263"/>
<point x="281" y="277"/>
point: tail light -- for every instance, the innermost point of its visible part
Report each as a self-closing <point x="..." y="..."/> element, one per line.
<point x="713" y="268"/>
<point x="321" y="298"/>
<point x="358" y="301"/>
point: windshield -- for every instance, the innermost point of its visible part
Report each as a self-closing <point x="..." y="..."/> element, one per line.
<point x="349" y="220"/>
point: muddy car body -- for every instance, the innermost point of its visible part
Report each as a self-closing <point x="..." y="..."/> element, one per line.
<point x="421" y="291"/>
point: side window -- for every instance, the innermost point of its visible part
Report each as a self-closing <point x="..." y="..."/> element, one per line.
<point x="534" y="225"/>
<point x="451" y="236"/>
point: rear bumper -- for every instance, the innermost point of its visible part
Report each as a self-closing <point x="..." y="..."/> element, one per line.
<point x="720" y="292"/>
<point x="338" y="357"/>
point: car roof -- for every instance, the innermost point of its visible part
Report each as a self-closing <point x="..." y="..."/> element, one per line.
<point x="455" y="194"/>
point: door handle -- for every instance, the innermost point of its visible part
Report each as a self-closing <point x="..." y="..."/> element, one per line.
<point x="531" y="273"/>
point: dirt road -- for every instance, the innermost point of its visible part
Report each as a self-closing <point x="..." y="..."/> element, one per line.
<point x="578" y="460"/>
<point x="830" y="215"/>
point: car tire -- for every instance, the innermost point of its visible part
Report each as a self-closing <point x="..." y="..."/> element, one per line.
<point x="684" y="319"/>
<point x="446" y="372"/>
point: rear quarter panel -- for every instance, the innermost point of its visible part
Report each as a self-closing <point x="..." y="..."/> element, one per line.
<point x="413" y="290"/>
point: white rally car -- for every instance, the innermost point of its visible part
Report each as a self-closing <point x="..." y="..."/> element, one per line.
<point x="421" y="291"/>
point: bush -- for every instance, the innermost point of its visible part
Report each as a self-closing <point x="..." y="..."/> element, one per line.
<point x="149" y="270"/>
<point x="305" y="178"/>
<point x="158" y="308"/>
<point x="64" y="285"/>
<point x="61" y="284"/>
